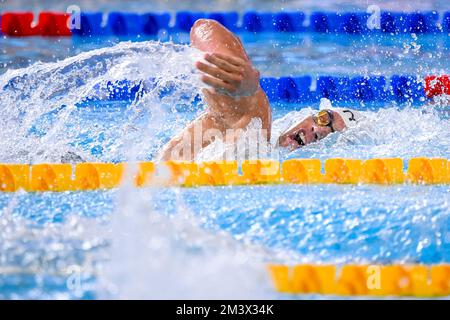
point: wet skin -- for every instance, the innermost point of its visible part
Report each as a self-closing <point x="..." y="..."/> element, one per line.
<point x="234" y="97"/>
<point x="307" y="131"/>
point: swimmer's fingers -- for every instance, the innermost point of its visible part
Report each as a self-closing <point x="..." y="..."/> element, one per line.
<point x="218" y="84"/>
<point x="238" y="62"/>
<point x="219" y="73"/>
<point x="234" y="71"/>
<point x="223" y="64"/>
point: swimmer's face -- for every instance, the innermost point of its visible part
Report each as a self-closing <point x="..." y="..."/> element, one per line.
<point x="307" y="131"/>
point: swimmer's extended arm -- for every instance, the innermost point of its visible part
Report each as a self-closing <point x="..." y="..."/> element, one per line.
<point x="233" y="97"/>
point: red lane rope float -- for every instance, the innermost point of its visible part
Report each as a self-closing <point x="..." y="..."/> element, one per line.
<point x="53" y="24"/>
<point x="20" y="24"/>
<point x="437" y="85"/>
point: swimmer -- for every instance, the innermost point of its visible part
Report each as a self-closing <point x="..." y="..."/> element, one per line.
<point x="234" y="97"/>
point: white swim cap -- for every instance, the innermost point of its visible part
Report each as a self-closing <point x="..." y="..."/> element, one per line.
<point x="350" y="116"/>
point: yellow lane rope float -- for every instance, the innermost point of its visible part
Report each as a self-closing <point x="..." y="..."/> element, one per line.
<point x="363" y="280"/>
<point x="347" y="280"/>
<point x="92" y="176"/>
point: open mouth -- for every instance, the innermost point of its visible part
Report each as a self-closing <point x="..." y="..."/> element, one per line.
<point x="300" y="138"/>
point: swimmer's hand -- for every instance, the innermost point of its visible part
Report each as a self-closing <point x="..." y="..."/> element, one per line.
<point x="229" y="75"/>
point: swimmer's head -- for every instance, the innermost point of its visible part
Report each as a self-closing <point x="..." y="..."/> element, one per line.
<point x="319" y="125"/>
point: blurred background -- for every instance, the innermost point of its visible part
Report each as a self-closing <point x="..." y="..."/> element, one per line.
<point x="220" y="5"/>
<point x="292" y="54"/>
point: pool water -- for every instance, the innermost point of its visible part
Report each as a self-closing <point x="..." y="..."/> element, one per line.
<point x="291" y="54"/>
<point x="188" y="242"/>
<point x="58" y="245"/>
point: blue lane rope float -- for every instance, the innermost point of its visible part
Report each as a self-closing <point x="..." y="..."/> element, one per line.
<point x="361" y="91"/>
<point x="339" y="89"/>
<point x="150" y="23"/>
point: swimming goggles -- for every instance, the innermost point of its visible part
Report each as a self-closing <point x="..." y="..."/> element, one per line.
<point x="324" y="118"/>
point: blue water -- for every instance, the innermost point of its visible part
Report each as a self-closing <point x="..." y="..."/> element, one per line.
<point x="311" y="224"/>
<point x="322" y="223"/>
<point x="290" y="54"/>
<point x="43" y="236"/>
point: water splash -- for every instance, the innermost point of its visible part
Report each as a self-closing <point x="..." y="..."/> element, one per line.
<point x="166" y="257"/>
<point x="155" y="253"/>
<point x="405" y="132"/>
<point x="39" y="258"/>
<point x="389" y="132"/>
<point x="152" y="255"/>
<point x="40" y="120"/>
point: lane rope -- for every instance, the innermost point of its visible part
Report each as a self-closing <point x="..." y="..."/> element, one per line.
<point x="363" y="280"/>
<point x="19" y="24"/>
<point x="339" y="89"/>
<point x="413" y="280"/>
<point x="93" y="176"/>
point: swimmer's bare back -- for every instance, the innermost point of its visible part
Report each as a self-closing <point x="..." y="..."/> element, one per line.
<point x="234" y="96"/>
